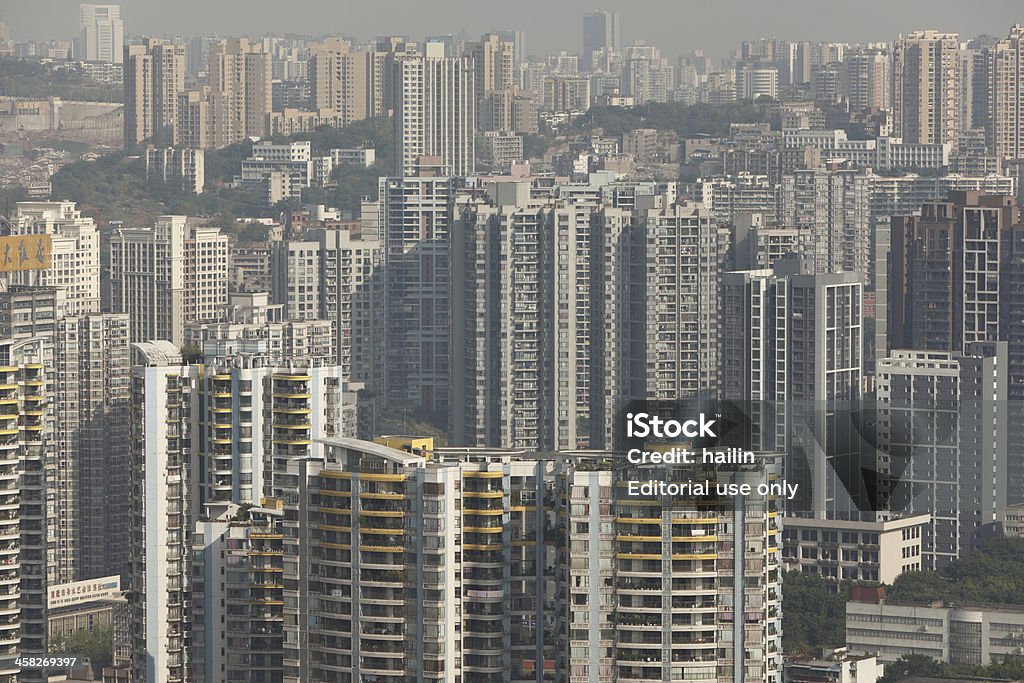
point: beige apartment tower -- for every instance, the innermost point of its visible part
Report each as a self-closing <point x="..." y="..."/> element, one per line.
<point x="1006" y="96"/>
<point x="926" y="88"/>
<point x="154" y="75"/>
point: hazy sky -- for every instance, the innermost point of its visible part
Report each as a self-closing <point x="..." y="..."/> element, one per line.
<point x="672" y="25"/>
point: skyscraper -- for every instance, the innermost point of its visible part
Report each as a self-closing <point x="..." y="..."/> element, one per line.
<point x="927" y="87"/>
<point x="494" y="62"/>
<point x="147" y="278"/>
<point x="240" y="91"/>
<point x="518" y="40"/>
<point x="164" y="431"/>
<point x="75" y="249"/>
<point x="601" y="31"/>
<point x="671" y="261"/>
<point x="225" y="431"/>
<point x="101" y="33"/>
<point x="415" y="220"/>
<point x="520" y="593"/>
<point x="167" y="275"/>
<point x="154" y="76"/>
<point x="336" y="274"/>
<point x="522" y="274"/>
<point x="237" y="558"/>
<point x="867" y="79"/>
<point x="832" y="209"/>
<point x="27" y="430"/>
<point x="946" y="271"/>
<point x="345" y="81"/>
<point x="90" y="533"/>
<point x="206" y="274"/>
<point x="1006" y="92"/>
<point x="435" y="113"/>
<point x="942" y="426"/>
<point x="792" y="346"/>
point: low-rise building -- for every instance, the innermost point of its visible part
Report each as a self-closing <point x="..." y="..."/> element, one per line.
<point x="973" y="634"/>
<point x="501" y="149"/>
<point x="836" y="666"/>
<point x="847" y="550"/>
<point x="181" y="166"/>
<point x="360" y="157"/>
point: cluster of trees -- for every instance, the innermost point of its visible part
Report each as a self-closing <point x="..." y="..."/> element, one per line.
<point x="394" y="420"/>
<point x="685" y="120"/>
<point x="97" y="644"/>
<point x="813" y="614"/>
<point x="352" y="182"/>
<point x="919" y="665"/>
<point x="24" y="78"/>
<point x="991" y="574"/>
<point x="114" y="187"/>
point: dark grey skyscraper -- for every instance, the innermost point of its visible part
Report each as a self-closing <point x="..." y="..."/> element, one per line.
<point x="600" y="30"/>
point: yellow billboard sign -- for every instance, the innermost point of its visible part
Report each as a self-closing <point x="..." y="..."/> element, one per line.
<point x="25" y="252"/>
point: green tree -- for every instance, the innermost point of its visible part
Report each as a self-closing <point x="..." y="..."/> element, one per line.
<point x="991" y="574"/>
<point x="32" y="79"/>
<point x="685" y="120"/>
<point x="191" y="353"/>
<point x="813" y="614"/>
<point x="911" y="665"/>
<point x="97" y="644"/>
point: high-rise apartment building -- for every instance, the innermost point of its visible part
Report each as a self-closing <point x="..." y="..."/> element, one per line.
<point x="165" y="429"/>
<point x="183" y="167"/>
<point x="276" y="342"/>
<point x="167" y="275"/>
<point x="566" y="93"/>
<point x="671" y="265"/>
<point x="570" y="303"/>
<point x="792" y="346"/>
<point x="942" y="430"/>
<point x="237" y="564"/>
<point x="518" y="593"/>
<point x="240" y="91"/>
<point x="89" y="533"/>
<point x="248" y="453"/>
<point x="75" y="254"/>
<point x="1006" y="96"/>
<point x="223" y="432"/>
<point x="27" y="430"/>
<point x="1012" y="331"/>
<point x="415" y="220"/>
<point x="946" y="271"/>
<point x="833" y="211"/>
<point x="206" y="274"/>
<point x="646" y="75"/>
<point x="520" y="318"/>
<point x="434" y="113"/>
<point x="154" y="77"/>
<point x="147" y="278"/>
<point x="927" y="87"/>
<point x="518" y="40"/>
<point x="195" y="128"/>
<point x="335" y="274"/>
<point x="347" y="82"/>
<point x="494" y="64"/>
<point x="867" y="79"/>
<point x="601" y="31"/>
<point x="101" y="33"/>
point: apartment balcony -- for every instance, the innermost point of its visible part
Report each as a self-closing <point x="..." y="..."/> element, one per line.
<point x="382" y="648"/>
<point x="380" y="632"/>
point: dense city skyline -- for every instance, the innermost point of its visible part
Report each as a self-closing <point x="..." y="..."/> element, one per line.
<point x="524" y="346"/>
<point x="671" y="26"/>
